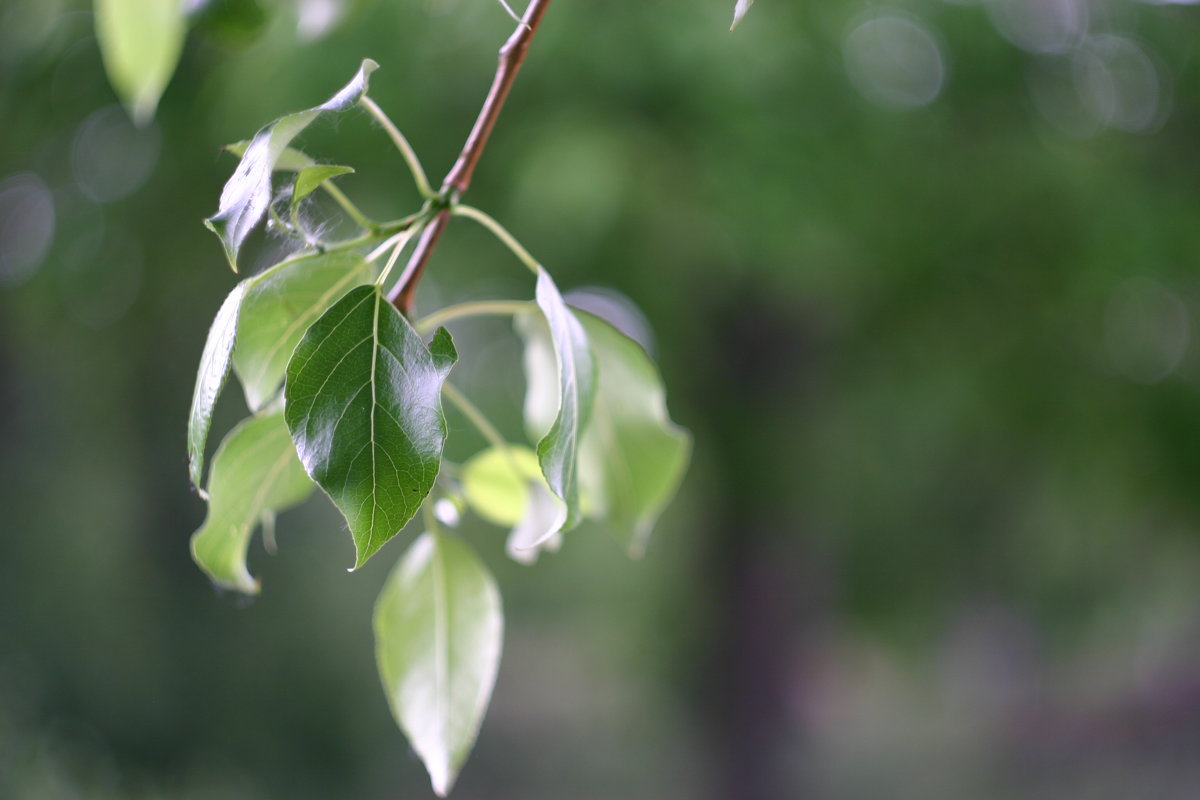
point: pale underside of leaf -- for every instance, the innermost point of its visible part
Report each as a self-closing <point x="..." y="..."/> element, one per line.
<point x="558" y="448"/>
<point x="140" y="42"/>
<point x="247" y="194"/>
<point x="255" y="473"/>
<point x="739" y="11"/>
<point x="279" y="305"/>
<point x="505" y="486"/>
<point x="363" y="403"/>
<point x="438" y="631"/>
<point x="210" y="379"/>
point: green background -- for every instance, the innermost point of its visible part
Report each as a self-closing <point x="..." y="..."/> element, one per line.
<point x="923" y="283"/>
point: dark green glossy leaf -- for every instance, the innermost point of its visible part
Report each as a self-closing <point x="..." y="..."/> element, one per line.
<point x="140" y="42"/>
<point x="279" y="305"/>
<point x="574" y="380"/>
<point x="363" y="402"/>
<point x="254" y="474"/>
<point x="739" y="11"/>
<point x="439" y="629"/>
<point x="310" y="178"/>
<point x="633" y="456"/>
<point x="247" y="194"/>
<point x="214" y="368"/>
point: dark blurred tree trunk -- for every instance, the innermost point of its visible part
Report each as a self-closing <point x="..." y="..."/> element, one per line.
<point x="769" y="584"/>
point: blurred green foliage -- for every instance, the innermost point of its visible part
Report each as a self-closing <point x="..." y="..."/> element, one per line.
<point x="923" y="284"/>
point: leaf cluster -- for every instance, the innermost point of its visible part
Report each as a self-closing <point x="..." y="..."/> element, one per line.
<point x="346" y="393"/>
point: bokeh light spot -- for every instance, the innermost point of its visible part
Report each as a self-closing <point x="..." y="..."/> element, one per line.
<point x="112" y="158"/>
<point x="26" y="227"/>
<point x="894" y="61"/>
<point x="1146" y="330"/>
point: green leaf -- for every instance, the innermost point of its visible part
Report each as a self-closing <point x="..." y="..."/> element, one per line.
<point x="439" y="629"/>
<point x="214" y="368"/>
<point x="739" y="11"/>
<point x="633" y="456"/>
<point x="507" y="488"/>
<point x="140" y="42"/>
<point x="279" y="305"/>
<point x="540" y="526"/>
<point x="290" y="160"/>
<point x="312" y="177"/>
<point x="255" y="473"/>
<point x="363" y="402"/>
<point x="574" y="381"/>
<point x="495" y="483"/>
<point x="247" y="194"/>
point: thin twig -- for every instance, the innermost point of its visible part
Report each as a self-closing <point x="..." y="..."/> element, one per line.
<point x="474" y="308"/>
<point x="406" y="149"/>
<point x="512" y="55"/>
<point x="501" y="233"/>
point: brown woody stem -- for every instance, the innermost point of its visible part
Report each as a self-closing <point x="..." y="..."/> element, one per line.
<point x="455" y="184"/>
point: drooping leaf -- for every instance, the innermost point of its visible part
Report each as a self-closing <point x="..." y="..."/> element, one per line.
<point x="540" y="526"/>
<point x="247" y="194"/>
<point x="310" y="178"/>
<point x="574" y="378"/>
<point x="439" y="629"/>
<point x="363" y="403"/>
<point x="279" y="305"/>
<point x="254" y="474"/>
<point x="633" y="456"/>
<point x="739" y="11"/>
<point x="214" y="368"/>
<point x="140" y="42"/>
<point x="495" y="483"/>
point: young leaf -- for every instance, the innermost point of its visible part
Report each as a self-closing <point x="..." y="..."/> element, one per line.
<point x="247" y="194"/>
<point x="310" y="178"/>
<point x="140" y="43"/>
<point x="739" y="11"/>
<point x="363" y="402"/>
<point x="255" y="473"/>
<point x="279" y="305"/>
<point x="495" y="483"/>
<point x="558" y="449"/>
<point x="632" y="457"/>
<point x="438" y="633"/>
<point x="214" y="368"/>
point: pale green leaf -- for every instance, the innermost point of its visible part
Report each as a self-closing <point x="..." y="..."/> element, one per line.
<point x="247" y="194"/>
<point x="279" y="305"/>
<point x="363" y="403"/>
<point x="439" y="629"/>
<point x="140" y="43"/>
<point x="255" y="473"/>
<point x="290" y="160"/>
<point x="574" y="380"/>
<point x="495" y="483"/>
<point x="739" y="11"/>
<point x="214" y="368"/>
<point x="310" y="178"/>
<point x="632" y="457"/>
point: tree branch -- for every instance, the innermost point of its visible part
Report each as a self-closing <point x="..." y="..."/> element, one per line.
<point x="455" y="184"/>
